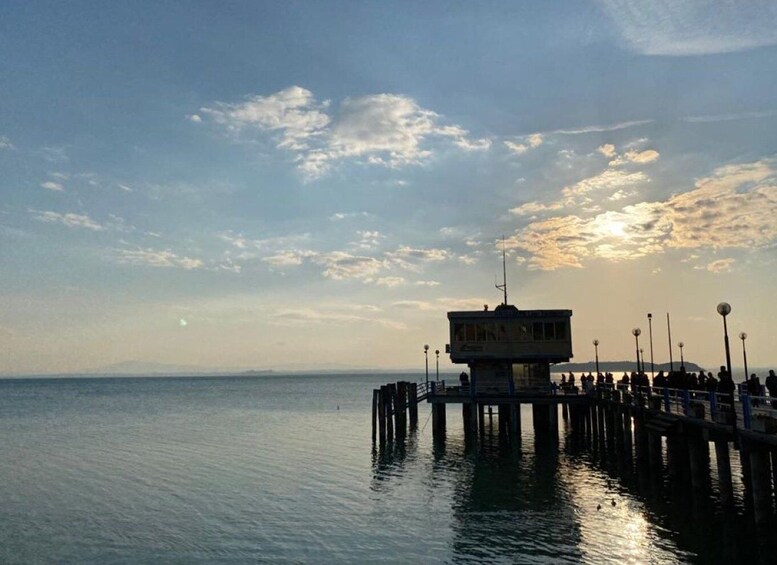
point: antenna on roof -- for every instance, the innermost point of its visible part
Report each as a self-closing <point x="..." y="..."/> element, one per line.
<point x="503" y="286"/>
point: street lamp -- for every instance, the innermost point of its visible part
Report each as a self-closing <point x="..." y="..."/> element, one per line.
<point x="682" y="359"/>
<point x="650" y="328"/>
<point x="437" y="353"/>
<point x="635" y="332"/>
<point x="743" y="337"/>
<point x="426" y="355"/>
<point x="642" y="357"/>
<point x="596" y="348"/>
<point x="724" y="309"/>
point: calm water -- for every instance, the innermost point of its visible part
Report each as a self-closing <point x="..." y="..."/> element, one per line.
<point x="282" y="469"/>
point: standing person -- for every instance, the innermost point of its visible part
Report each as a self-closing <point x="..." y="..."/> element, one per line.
<point x="726" y="387"/>
<point x="771" y="386"/>
<point x="754" y="388"/>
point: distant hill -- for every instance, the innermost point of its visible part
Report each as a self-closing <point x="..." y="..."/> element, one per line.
<point x="620" y="367"/>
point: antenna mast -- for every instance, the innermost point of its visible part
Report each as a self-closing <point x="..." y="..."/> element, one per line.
<point x="503" y="286"/>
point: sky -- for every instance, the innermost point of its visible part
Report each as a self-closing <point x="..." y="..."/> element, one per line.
<point x="300" y="184"/>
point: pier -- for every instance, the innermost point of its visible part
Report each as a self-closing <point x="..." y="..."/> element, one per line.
<point x="651" y="430"/>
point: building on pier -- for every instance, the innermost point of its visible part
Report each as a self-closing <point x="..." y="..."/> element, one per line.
<point x="509" y="351"/>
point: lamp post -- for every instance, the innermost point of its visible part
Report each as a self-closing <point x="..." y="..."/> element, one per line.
<point x="669" y="334"/>
<point x="596" y="349"/>
<point x="682" y="359"/>
<point x="635" y="332"/>
<point x="743" y="337"/>
<point x="724" y="309"/>
<point x="642" y="357"/>
<point x="426" y="355"/>
<point x="650" y="329"/>
<point x="437" y="353"/>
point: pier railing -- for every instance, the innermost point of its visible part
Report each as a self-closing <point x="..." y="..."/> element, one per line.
<point x="754" y="413"/>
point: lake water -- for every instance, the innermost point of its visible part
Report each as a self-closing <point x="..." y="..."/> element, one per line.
<point x="282" y="469"/>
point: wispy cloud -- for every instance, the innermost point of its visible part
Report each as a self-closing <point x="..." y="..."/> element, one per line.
<point x="69" y="219"/>
<point x="162" y="258"/>
<point x="384" y="129"/>
<point x="602" y="128"/>
<point x="721" y="265"/>
<point x="5" y="143"/>
<point x="525" y="144"/>
<point x="693" y="27"/>
<point x="54" y="186"/>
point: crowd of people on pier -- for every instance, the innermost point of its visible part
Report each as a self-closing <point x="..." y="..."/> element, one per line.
<point x="722" y="383"/>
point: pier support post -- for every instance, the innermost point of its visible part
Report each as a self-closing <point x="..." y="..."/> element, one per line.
<point x="382" y="414"/>
<point x="627" y="433"/>
<point x="375" y="393"/>
<point x="593" y="416"/>
<point x="723" y="458"/>
<point x="389" y="400"/>
<point x="481" y="419"/>
<point x="540" y="418"/>
<point x="553" y="420"/>
<point x="413" y="405"/>
<point x="698" y="455"/>
<point x="760" y="471"/>
<point x="503" y="415"/>
<point x="654" y="450"/>
<point x="438" y="421"/>
<point x="609" y="415"/>
<point x="565" y="411"/>
<point x="515" y="423"/>
<point x="400" y="410"/>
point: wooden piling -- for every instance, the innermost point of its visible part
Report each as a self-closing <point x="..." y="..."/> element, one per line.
<point x="400" y="410"/>
<point x="760" y="471"/>
<point x="698" y="458"/>
<point x="375" y="396"/>
<point x="481" y="419"/>
<point x="413" y="404"/>
<point x="382" y="413"/>
<point x="389" y="400"/>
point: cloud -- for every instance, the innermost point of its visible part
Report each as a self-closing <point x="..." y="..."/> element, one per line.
<point x="693" y="27"/>
<point x="164" y="258"/>
<point x="426" y="283"/>
<point x="5" y="143"/>
<point x="194" y="118"/>
<point x="293" y="112"/>
<point x="639" y="157"/>
<point x="529" y="142"/>
<point x="368" y="239"/>
<point x="602" y="128"/>
<point x="285" y="259"/>
<point x="408" y="257"/>
<point x="51" y="185"/>
<point x="608" y="150"/>
<point x="390" y="130"/>
<point x="69" y="219"/>
<point x="339" y="265"/>
<point x="307" y="316"/>
<point x="389" y="282"/>
<point x="720" y="266"/>
<point x="733" y="208"/>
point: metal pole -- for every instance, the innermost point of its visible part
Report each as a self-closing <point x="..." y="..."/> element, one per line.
<point x="744" y="353"/>
<point x="635" y="332"/>
<point x="728" y="350"/>
<point x="426" y="356"/>
<point x="596" y="348"/>
<point x="437" y="353"/>
<point x="650" y="329"/>
<point x="669" y="332"/>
